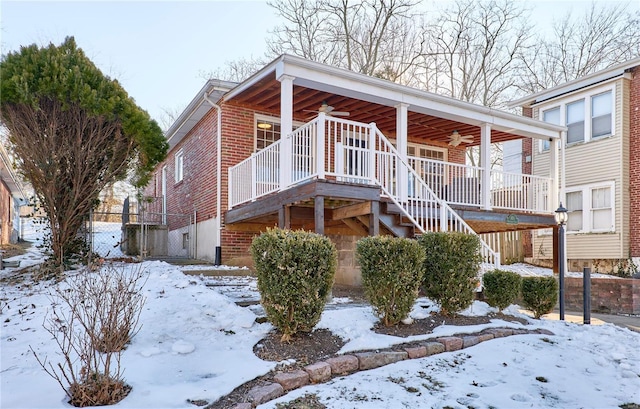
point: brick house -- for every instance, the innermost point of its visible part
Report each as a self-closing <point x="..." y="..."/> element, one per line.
<point x="602" y="162"/>
<point x="11" y="198"/>
<point x="363" y="156"/>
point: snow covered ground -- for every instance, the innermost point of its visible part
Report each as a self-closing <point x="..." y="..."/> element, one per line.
<point x="196" y="343"/>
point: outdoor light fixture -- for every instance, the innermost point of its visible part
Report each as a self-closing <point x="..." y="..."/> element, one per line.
<point x="561" y="218"/>
<point x="264" y="125"/>
<point x="561" y="215"/>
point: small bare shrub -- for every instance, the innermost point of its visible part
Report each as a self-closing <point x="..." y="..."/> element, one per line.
<point x="95" y="314"/>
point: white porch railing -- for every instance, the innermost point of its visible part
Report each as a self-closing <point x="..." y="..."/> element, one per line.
<point x="453" y="182"/>
<point x="256" y="176"/>
<point x="460" y="184"/>
<point x="514" y="191"/>
<point x="354" y="152"/>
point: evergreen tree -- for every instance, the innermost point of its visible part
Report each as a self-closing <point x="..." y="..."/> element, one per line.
<point x="73" y="131"/>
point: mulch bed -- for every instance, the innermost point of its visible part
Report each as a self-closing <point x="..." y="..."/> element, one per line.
<point x="308" y="348"/>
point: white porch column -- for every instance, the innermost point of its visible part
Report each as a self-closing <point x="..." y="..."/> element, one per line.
<point x="320" y="150"/>
<point x="286" y="127"/>
<point x="563" y="183"/>
<point x="554" y="164"/>
<point x="485" y="162"/>
<point x="401" y="146"/>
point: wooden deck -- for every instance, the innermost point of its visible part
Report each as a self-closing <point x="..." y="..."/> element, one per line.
<point x="330" y="207"/>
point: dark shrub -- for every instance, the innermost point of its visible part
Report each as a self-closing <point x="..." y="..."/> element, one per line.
<point x="451" y="268"/>
<point x="501" y="288"/>
<point x="539" y="294"/>
<point x="295" y="274"/>
<point x="391" y="275"/>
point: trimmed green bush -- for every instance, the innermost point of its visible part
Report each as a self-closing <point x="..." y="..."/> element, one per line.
<point x="295" y="274"/>
<point x="391" y="275"/>
<point x="539" y="294"/>
<point x="451" y="268"/>
<point x="501" y="288"/>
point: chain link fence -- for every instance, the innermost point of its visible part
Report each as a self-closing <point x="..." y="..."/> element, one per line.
<point x="143" y="231"/>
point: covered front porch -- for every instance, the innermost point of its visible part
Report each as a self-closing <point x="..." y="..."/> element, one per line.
<point x="368" y="167"/>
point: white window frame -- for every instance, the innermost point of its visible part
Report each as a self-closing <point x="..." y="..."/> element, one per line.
<point x="545" y="144"/>
<point x="587" y="95"/>
<point x="266" y="118"/>
<point x="587" y="208"/>
<point x="179" y="166"/>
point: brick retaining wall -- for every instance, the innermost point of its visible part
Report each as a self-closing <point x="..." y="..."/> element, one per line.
<point x="609" y="295"/>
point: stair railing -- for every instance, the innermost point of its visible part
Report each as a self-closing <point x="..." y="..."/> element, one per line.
<point x="426" y="210"/>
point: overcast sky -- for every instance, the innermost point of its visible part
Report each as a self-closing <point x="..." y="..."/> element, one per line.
<point x="158" y="50"/>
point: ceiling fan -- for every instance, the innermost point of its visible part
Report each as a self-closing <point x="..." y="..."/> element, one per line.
<point x="457" y="139"/>
<point x="329" y="110"/>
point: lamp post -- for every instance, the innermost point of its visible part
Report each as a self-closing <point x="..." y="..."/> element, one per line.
<point x="561" y="218"/>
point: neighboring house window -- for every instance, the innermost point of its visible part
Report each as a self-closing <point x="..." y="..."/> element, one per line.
<point x="551" y="116"/>
<point x="591" y="208"/>
<point x="575" y="121"/>
<point x="574" y="207"/>
<point x="179" y="162"/>
<point x="588" y="115"/>
<point x="601" y="209"/>
<point x="601" y="114"/>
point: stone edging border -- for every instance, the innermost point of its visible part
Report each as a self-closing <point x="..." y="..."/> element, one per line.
<point x="323" y="371"/>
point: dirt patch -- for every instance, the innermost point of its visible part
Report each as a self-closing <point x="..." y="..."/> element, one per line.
<point x="12" y="250"/>
<point x="320" y="344"/>
<point x="305" y="348"/>
<point x="427" y="325"/>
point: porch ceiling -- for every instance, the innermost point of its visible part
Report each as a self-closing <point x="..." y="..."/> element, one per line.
<point x="264" y="95"/>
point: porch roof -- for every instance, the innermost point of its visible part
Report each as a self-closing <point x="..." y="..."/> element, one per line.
<point x="196" y="110"/>
<point x="597" y="77"/>
<point x="369" y="99"/>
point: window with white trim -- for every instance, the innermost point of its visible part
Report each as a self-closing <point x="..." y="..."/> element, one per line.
<point x="591" y="208"/>
<point x="588" y="115"/>
<point x="179" y="165"/>
<point x="267" y="130"/>
<point x="574" y="213"/>
<point x="601" y="106"/>
<point x="551" y="116"/>
<point x="575" y="121"/>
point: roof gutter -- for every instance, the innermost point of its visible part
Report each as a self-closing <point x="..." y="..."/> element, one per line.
<point x="218" y="253"/>
<point x="18" y="191"/>
<point x="607" y="74"/>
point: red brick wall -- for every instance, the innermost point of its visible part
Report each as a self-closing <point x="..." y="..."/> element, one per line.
<point x="634" y="166"/>
<point x="607" y="295"/>
<point x="527" y="151"/>
<point x="197" y="190"/>
<point x="237" y="145"/>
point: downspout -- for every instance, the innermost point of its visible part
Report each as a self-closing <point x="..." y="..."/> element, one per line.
<point x="218" y="255"/>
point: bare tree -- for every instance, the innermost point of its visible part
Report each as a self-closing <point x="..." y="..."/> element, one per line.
<point x="373" y="37"/>
<point x="68" y="161"/>
<point x="168" y="116"/>
<point x="606" y="34"/>
<point x="236" y="70"/>
<point x="473" y="48"/>
<point x="73" y="131"/>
